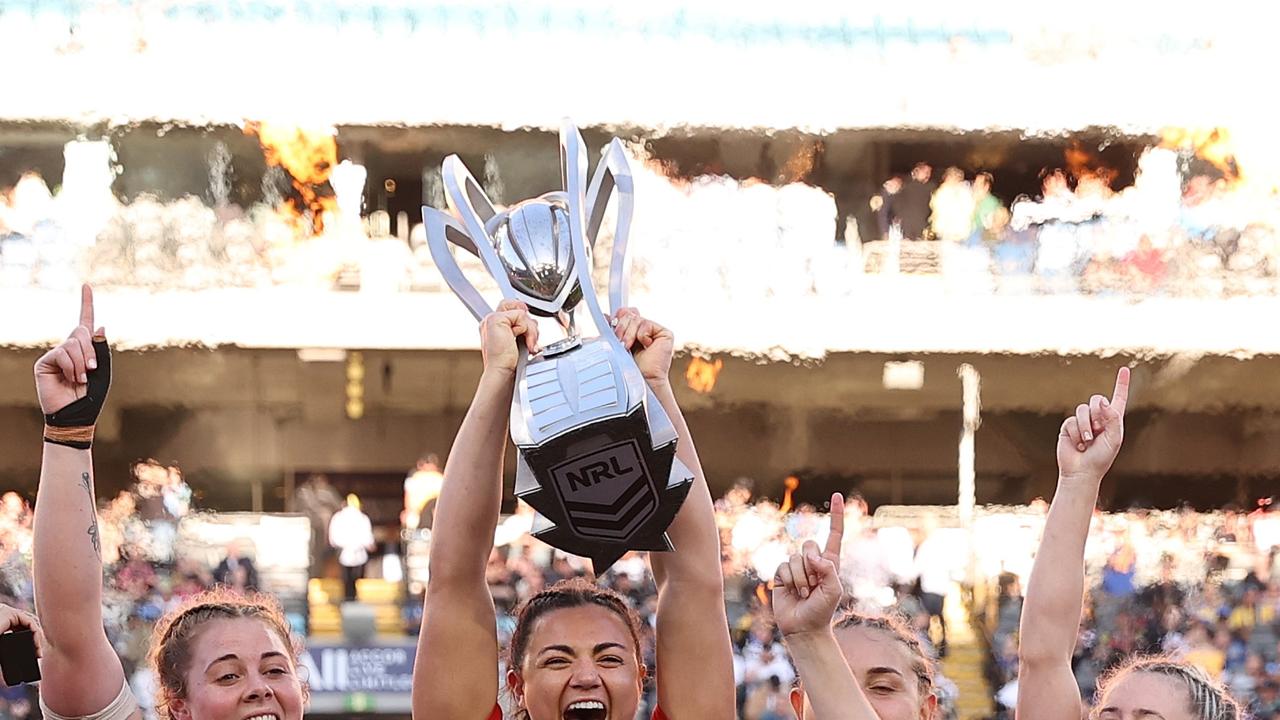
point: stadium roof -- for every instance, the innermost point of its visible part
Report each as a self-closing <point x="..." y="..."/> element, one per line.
<point x="807" y="64"/>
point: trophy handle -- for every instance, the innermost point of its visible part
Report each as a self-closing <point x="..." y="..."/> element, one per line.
<point x="573" y="167"/>
<point x="613" y="173"/>
<point x="441" y="231"/>
<point x="471" y="204"/>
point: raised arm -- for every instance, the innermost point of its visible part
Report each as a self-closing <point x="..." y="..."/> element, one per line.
<point x="1087" y="445"/>
<point x="806" y="594"/>
<point x="82" y="674"/>
<point x="695" y="658"/>
<point x="456" y="671"/>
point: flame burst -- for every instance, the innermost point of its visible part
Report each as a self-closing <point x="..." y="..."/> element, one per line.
<point x="309" y="156"/>
<point x="1213" y="145"/>
<point x="791" y="483"/>
<point x="1085" y="165"/>
<point x="701" y="374"/>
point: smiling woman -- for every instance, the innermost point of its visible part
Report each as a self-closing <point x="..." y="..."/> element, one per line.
<point x="219" y="656"/>
<point x="219" y="646"/>
<point x="576" y="650"/>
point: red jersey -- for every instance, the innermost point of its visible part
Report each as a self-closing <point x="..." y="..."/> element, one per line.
<point x="497" y="714"/>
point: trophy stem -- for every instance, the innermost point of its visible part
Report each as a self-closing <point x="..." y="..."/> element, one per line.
<point x="568" y="323"/>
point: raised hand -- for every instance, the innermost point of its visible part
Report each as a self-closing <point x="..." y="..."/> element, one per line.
<point x="652" y="344"/>
<point x="72" y="380"/>
<point x="1090" y="439"/>
<point x="498" y="333"/>
<point x="62" y="374"/>
<point x="806" y="588"/>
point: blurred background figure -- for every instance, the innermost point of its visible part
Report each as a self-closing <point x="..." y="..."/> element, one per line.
<point x="316" y="498"/>
<point x="237" y="570"/>
<point x="911" y="205"/>
<point x="351" y="534"/>
<point x="421" y="488"/>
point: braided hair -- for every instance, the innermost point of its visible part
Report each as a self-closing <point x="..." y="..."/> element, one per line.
<point x="1208" y="699"/>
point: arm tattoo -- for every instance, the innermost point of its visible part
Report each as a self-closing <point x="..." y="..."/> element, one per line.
<point x="93" y="513"/>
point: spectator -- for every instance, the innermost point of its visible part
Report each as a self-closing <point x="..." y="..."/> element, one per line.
<point x="1206" y="219"/>
<point x="769" y="701"/>
<point x="1203" y="653"/>
<point x="421" y="488"/>
<point x="934" y="564"/>
<point x="1267" y="704"/>
<point x="985" y="207"/>
<point x="237" y="569"/>
<point x="1145" y="267"/>
<point x="176" y="493"/>
<point x="318" y="500"/>
<point x="883" y="205"/>
<point x="764" y="656"/>
<point x="351" y="534"/>
<point x="911" y="205"/>
<point x="953" y="206"/>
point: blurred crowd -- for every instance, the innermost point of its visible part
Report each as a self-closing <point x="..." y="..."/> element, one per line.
<point x="1183" y="228"/>
<point x="1204" y="587"/>
<point x="143" y="576"/>
<point x="1186" y="227"/>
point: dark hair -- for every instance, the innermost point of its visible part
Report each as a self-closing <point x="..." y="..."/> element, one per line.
<point x="1208" y="699"/>
<point x="571" y="593"/>
<point x="896" y="627"/>
<point x="171" y="640"/>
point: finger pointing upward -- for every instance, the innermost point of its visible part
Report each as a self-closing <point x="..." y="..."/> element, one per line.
<point x="836" y="537"/>
<point x="1120" y="397"/>
<point x="86" y="307"/>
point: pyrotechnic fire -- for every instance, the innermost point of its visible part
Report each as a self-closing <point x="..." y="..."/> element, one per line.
<point x="308" y="155"/>
<point x="1213" y="145"/>
<point x="791" y="483"/>
<point x="1085" y="165"/>
<point x="701" y="374"/>
<point x="762" y="592"/>
<point x="799" y="165"/>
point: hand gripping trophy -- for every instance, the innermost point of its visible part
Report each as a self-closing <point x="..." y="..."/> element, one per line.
<point x="595" y="450"/>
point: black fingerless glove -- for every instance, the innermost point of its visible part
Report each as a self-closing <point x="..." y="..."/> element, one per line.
<point x="73" y="425"/>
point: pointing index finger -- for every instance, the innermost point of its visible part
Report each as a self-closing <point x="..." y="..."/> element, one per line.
<point x="86" y="307"/>
<point x="1120" y="397"/>
<point x="836" y="537"/>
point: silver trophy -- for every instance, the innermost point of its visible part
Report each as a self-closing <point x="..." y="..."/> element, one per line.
<point x="595" y="450"/>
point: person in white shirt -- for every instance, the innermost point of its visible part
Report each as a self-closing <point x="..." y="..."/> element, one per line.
<point x="351" y="533"/>
<point x="934" y="563"/>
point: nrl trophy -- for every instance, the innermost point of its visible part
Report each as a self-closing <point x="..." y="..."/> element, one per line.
<point x="595" y="452"/>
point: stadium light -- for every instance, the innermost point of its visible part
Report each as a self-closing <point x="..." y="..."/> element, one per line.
<point x="903" y="375"/>
<point x="309" y="355"/>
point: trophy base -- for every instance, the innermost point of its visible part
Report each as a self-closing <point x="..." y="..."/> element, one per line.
<point x="602" y="490"/>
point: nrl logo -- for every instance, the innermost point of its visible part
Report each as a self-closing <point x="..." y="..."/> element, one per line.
<point x="606" y="490"/>
<point x="606" y="494"/>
